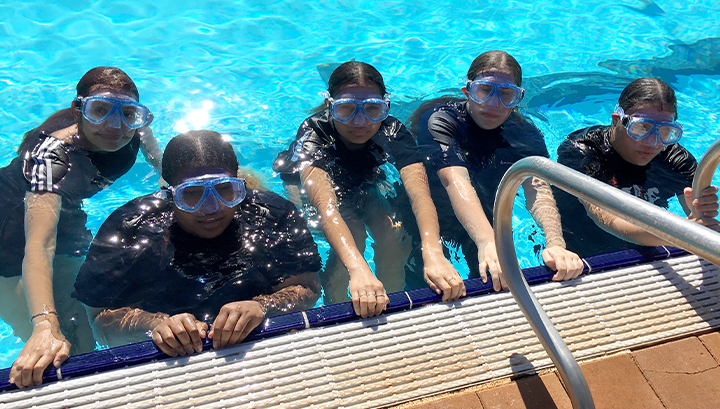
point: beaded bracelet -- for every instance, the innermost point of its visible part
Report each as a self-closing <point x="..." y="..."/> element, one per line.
<point x="43" y="313"/>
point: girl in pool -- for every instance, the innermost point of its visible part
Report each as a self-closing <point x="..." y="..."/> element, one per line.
<point x="208" y="251"/>
<point x="638" y="153"/>
<point x="338" y="154"/>
<point x="470" y="144"/>
<point x="74" y="154"/>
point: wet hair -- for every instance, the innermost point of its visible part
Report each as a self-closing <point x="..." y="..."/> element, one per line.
<point x="648" y="90"/>
<point x="355" y="73"/>
<point x="194" y="150"/>
<point x="489" y="61"/>
<point x="107" y="78"/>
<point x="492" y="61"/>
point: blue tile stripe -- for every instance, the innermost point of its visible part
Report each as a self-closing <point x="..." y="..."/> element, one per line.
<point x="146" y="351"/>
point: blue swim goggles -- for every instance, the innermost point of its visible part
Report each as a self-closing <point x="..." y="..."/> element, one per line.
<point x="508" y="94"/>
<point x="345" y="109"/>
<point x="191" y="195"/>
<point x="639" y="128"/>
<point x="99" y="109"/>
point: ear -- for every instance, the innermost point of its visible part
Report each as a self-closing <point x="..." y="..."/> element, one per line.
<point x="465" y="91"/>
<point x="75" y="109"/>
<point x="614" y="117"/>
<point x="327" y="103"/>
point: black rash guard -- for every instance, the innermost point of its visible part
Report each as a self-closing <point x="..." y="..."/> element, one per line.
<point x="450" y="137"/>
<point x="590" y="151"/>
<point x="48" y="164"/>
<point x="141" y="258"/>
<point x="355" y="173"/>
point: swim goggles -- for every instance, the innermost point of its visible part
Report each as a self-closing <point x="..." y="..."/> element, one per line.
<point x="638" y="128"/>
<point x="99" y="109"/>
<point x="345" y="109"/>
<point x="191" y="195"/>
<point x="509" y="94"/>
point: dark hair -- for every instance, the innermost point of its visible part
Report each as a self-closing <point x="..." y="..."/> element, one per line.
<point x="648" y="90"/>
<point x="195" y="150"/>
<point x="110" y="78"/>
<point x="355" y="73"/>
<point x="490" y="61"/>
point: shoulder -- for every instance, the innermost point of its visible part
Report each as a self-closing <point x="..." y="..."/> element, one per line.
<point x="442" y="123"/>
<point x="522" y="134"/>
<point x="151" y="210"/>
<point x="46" y="162"/>
<point x="267" y="204"/>
<point x="586" y="140"/>
<point x="679" y="160"/>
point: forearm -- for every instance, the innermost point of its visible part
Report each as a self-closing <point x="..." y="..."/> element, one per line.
<point x="42" y="212"/>
<point x="321" y="194"/>
<point x="621" y="228"/>
<point x="125" y="325"/>
<point x="416" y="185"/>
<point x="466" y="205"/>
<point x="289" y="299"/>
<point x="149" y="147"/>
<point x="542" y="207"/>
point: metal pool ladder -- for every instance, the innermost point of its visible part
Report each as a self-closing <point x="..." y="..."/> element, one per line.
<point x="674" y="229"/>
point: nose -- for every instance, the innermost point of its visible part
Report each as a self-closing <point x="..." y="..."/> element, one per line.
<point x="211" y="204"/>
<point x="114" y="120"/>
<point x="494" y="99"/>
<point x="359" y="119"/>
<point x="653" y="139"/>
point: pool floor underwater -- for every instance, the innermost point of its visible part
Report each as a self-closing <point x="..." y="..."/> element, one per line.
<point x="438" y="348"/>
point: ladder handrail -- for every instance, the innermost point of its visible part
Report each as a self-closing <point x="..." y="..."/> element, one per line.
<point x="705" y="170"/>
<point x="670" y="227"/>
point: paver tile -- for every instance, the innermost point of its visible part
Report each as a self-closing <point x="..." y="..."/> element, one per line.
<point x="712" y="343"/>
<point x="466" y="400"/>
<point x="683" y="374"/>
<point x="684" y="355"/>
<point x="532" y="392"/>
<point x="617" y="383"/>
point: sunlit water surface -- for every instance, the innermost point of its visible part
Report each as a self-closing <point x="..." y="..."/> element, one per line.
<point x="248" y="69"/>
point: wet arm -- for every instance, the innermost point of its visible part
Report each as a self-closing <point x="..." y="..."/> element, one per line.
<point x="470" y="213"/>
<point x="321" y="193"/>
<point x="123" y="325"/>
<point x="439" y="273"/>
<point x="296" y="293"/>
<point x="466" y="204"/>
<point x="46" y="345"/>
<point x="42" y="212"/>
<point x="149" y="147"/>
<point x="621" y="228"/>
<point x="540" y="202"/>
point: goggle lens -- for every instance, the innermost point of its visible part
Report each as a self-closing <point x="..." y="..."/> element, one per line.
<point x="639" y="128"/>
<point x="375" y="110"/>
<point x="509" y="94"/>
<point x="191" y="195"/>
<point x="99" y="109"/>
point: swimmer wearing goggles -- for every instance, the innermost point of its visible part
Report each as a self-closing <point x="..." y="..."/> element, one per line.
<point x="214" y="189"/>
<point x="508" y="94"/>
<point x="638" y="128"/>
<point x="345" y="109"/>
<point x="98" y="109"/>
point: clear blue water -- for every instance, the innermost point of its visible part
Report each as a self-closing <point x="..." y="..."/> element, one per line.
<point x="247" y="69"/>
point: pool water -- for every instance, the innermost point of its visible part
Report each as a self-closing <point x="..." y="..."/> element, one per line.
<point x="249" y="69"/>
